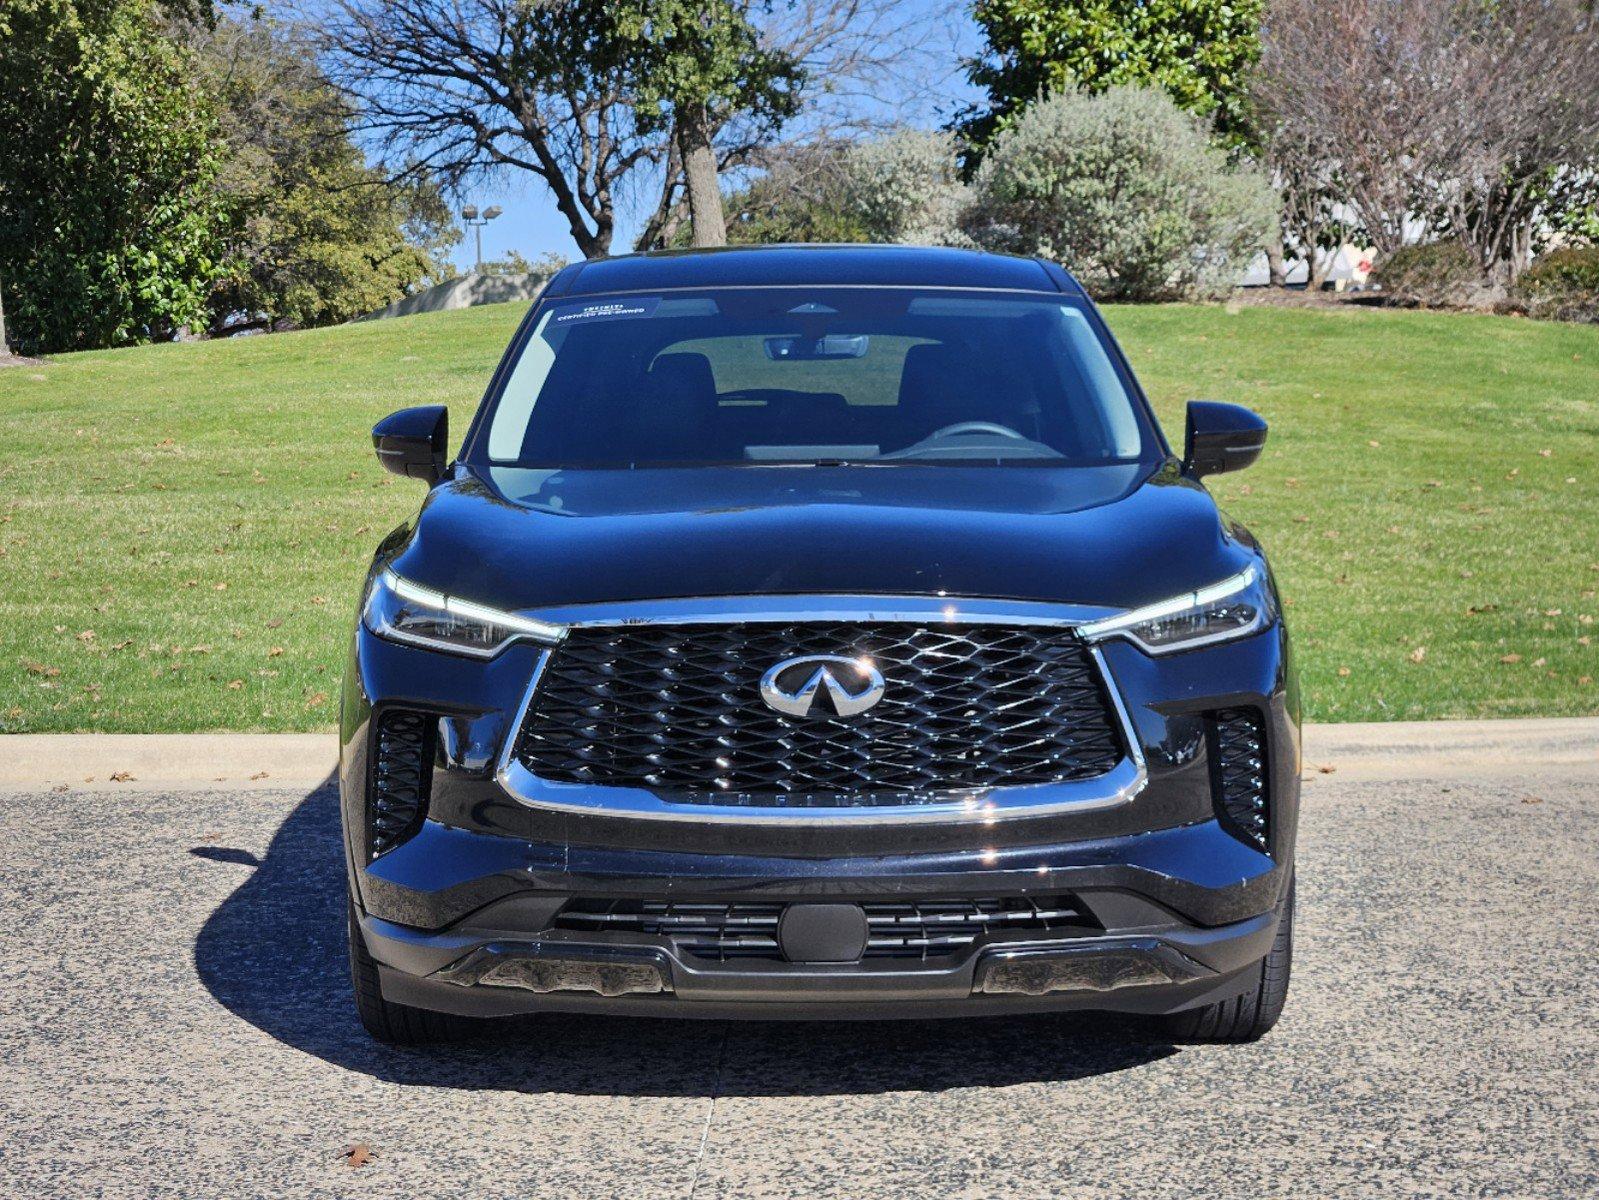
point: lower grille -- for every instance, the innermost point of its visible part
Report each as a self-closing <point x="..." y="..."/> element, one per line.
<point x="898" y="929"/>
<point x="402" y="777"/>
<point x="677" y="709"/>
<point x="1237" y="748"/>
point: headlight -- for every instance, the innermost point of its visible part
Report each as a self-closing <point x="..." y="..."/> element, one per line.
<point x="1233" y="608"/>
<point x="404" y="612"/>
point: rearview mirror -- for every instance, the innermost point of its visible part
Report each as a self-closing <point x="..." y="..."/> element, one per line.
<point x="1221" y="437"/>
<point x="413" y="441"/>
<point x="829" y="346"/>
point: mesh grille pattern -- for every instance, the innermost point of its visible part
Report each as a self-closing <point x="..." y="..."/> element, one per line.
<point x="1238" y="771"/>
<point x="402" y="774"/>
<point x="920" y="929"/>
<point x="677" y="709"/>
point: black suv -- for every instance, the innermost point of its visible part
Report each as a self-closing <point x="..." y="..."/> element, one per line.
<point x="819" y="632"/>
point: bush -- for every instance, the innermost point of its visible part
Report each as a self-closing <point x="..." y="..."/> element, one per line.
<point x="905" y="187"/>
<point x="902" y="187"/>
<point x="1125" y="190"/>
<point x="1563" y="285"/>
<point x="1432" y="275"/>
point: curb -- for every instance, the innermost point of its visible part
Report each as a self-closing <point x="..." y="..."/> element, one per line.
<point x="281" y="761"/>
<point x="167" y="761"/>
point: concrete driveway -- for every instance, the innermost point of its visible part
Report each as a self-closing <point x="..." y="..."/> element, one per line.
<point x="174" y="1021"/>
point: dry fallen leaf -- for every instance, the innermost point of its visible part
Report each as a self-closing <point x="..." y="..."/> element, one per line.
<point x="259" y="775"/>
<point x="316" y="700"/>
<point x="1532" y="799"/>
<point x="1326" y="770"/>
<point x="275" y="652"/>
<point x="1419" y="653"/>
<point x="1510" y="658"/>
<point x="1343" y="672"/>
<point x="359" y="1154"/>
<point x="121" y="777"/>
<point x="235" y="684"/>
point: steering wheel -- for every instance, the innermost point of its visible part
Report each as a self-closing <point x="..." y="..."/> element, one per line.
<point x="964" y="427"/>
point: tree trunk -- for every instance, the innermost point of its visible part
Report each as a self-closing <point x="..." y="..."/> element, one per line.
<point x="1276" y="268"/>
<point x="4" y="350"/>
<point x="699" y="174"/>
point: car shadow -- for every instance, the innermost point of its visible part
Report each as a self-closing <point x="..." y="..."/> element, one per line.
<point x="273" y="954"/>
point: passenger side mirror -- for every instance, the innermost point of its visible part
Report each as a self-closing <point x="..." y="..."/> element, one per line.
<point x="413" y="442"/>
<point x="1221" y="437"/>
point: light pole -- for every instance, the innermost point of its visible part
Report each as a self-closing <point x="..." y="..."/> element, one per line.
<point x="469" y="214"/>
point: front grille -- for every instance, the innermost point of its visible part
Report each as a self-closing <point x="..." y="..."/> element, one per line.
<point x="677" y="709"/>
<point x="402" y="776"/>
<point x="898" y="929"/>
<point x="1237" y="748"/>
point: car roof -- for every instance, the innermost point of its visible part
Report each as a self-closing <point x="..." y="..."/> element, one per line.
<point x="811" y="266"/>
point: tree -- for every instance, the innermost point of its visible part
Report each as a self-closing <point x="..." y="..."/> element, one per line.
<point x="1125" y="190"/>
<point x="572" y="93"/>
<point x="314" y="234"/>
<point x="697" y="64"/>
<point x="110" y="216"/>
<point x="1198" y="51"/>
<point x="461" y="87"/>
<point x="1465" y="119"/>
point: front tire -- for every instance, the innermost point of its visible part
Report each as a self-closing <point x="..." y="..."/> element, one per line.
<point x="1250" y="1015"/>
<point x="395" y="1024"/>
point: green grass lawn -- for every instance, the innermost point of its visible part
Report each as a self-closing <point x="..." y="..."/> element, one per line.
<point x="183" y="528"/>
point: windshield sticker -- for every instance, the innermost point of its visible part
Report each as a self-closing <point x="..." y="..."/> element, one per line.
<point x="608" y="310"/>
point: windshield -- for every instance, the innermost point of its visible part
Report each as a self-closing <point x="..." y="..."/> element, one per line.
<point x="753" y="376"/>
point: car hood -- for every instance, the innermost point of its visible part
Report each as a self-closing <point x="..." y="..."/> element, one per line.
<point x="1113" y="536"/>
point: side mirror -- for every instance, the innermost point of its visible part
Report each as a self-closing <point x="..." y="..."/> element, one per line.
<point x="413" y="442"/>
<point x="1221" y="437"/>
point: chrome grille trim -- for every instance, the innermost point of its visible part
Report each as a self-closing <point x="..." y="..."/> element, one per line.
<point x="1117" y="787"/>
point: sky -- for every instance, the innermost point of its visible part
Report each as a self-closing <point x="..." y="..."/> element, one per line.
<point x="531" y="225"/>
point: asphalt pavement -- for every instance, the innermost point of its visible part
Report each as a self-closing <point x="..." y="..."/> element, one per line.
<point x="175" y="1021"/>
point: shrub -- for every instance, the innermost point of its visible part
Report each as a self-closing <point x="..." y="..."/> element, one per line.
<point x="905" y="187"/>
<point x="1563" y="285"/>
<point x="1127" y="191"/>
<point x="1432" y="275"/>
<point x="902" y="187"/>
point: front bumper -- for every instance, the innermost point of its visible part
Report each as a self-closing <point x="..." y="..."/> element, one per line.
<point x="1148" y="958"/>
<point x="462" y="916"/>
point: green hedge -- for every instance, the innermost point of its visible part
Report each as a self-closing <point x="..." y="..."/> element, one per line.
<point x="1432" y="275"/>
<point x="1563" y="285"/>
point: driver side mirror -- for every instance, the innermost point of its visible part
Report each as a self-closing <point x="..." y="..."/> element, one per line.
<point x="413" y="442"/>
<point x="1221" y="437"/>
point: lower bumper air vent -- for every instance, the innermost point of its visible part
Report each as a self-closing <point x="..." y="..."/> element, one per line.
<point x="402" y="776"/>
<point x="1237" y="747"/>
<point x="897" y="929"/>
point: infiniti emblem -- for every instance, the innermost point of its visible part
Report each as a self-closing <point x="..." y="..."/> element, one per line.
<point x="851" y="685"/>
